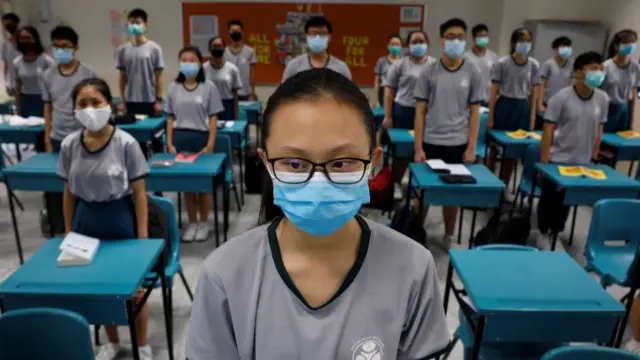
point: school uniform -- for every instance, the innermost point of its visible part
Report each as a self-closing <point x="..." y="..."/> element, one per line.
<point x="388" y="307"/>
<point x="227" y="79"/>
<point x="29" y="73"/>
<point x="192" y="110"/>
<point x="485" y="64"/>
<point x="449" y="95"/>
<point x="8" y="53"/>
<point x="302" y="63"/>
<point x="578" y="121"/>
<point x="101" y="182"/>
<point x="140" y="64"/>
<point x="517" y="81"/>
<point x="402" y="77"/>
<point x="382" y="67"/>
<point x="556" y="77"/>
<point x="619" y="84"/>
<point x="243" y="60"/>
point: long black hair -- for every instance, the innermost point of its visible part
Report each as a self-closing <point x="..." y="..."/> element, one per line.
<point x="516" y="36"/>
<point x="618" y="38"/>
<point x="314" y="84"/>
<point x="200" y="78"/>
<point x="38" y="49"/>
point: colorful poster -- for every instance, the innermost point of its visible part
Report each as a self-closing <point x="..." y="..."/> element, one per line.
<point x="118" y="20"/>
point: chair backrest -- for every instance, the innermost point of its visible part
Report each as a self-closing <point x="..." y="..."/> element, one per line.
<point x="43" y="333"/>
<point x="223" y="145"/>
<point x="531" y="157"/>
<point x="482" y="129"/>
<point x="169" y="211"/>
<point x="506" y="247"/>
<point x="614" y="220"/>
<point x="588" y="353"/>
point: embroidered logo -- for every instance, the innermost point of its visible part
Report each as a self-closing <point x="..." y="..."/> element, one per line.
<point x="368" y="348"/>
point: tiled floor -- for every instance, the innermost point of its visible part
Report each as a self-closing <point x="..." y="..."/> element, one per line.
<point x="193" y="254"/>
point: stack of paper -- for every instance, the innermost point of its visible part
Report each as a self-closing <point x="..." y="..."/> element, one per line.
<point x="629" y="134"/>
<point x="77" y="249"/>
<point x="222" y="123"/>
<point x="484" y="109"/>
<point x="186" y="158"/>
<point x="523" y="134"/>
<point x="141" y="117"/>
<point x="577" y="171"/>
<point x="16" y="120"/>
<point x="438" y="165"/>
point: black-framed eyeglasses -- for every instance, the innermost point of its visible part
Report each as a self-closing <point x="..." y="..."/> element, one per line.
<point x="343" y="171"/>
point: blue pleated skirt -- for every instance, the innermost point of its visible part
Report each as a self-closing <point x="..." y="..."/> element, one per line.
<point x="32" y="105"/>
<point x="403" y="116"/>
<point x="192" y="141"/>
<point x="229" y="110"/>
<point x="618" y="118"/>
<point x="511" y="114"/>
<point x="108" y="220"/>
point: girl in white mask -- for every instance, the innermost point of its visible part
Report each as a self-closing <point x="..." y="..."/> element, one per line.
<point x="104" y="194"/>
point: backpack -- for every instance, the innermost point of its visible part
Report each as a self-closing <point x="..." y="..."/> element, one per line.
<point x="254" y="173"/>
<point x="407" y="222"/>
<point x="507" y="229"/>
<point x="157" y="227"/>
<point x="381" y="190"/>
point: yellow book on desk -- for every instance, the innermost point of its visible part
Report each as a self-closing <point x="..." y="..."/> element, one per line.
<point x="523" y="134"/>
<point x="629" y="134"/>
<point x="412" y="133"/>
<point x="576" y="171"/>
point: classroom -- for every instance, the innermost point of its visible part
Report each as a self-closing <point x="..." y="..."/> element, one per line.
<point x="191" y="179"/>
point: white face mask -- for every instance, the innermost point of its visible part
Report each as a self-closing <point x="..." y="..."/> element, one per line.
<point x="94" y="119"/>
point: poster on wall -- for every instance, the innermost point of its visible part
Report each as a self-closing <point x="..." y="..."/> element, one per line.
<point x="118" y="20"/>
<point x="202" y="29"/>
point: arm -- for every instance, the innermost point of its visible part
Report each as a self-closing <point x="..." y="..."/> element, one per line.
<point x="632" y="107"/>
<point x="122" y="86"/>
<point x="389" y="94"/>
<point x="376" y="88"/>
<point x="141" y="205"/>
<point x="159" y="83"/>
<point x="474" y="128"/>
<point x="170" y="121"/>
<point x="48" y="118"/>
<point x="422" y="94"/>
<point x="213" y="130"/>
<point x="18" y="96"/>
<point x="532" y="107"/>
<point x="547" y="139"/>
<point x="253" y="60"/>
<point x="496" y="81"/>
<point x="68" y="208"/>
<point x="596" y="144"/>
<point x="540" y="97"/>
<point x="419" y="124"/>
<point x="391" y="81"/>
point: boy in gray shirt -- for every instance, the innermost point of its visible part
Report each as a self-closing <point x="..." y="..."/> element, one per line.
<point x="555" y="73"/>
<point x="483" y="57"/>
<point x="141" y="64"/>
<point x="8" y="51"/>
<point x="244" y="58"/>
<point x="318" y="30"/>
<point x="571" y="135"/>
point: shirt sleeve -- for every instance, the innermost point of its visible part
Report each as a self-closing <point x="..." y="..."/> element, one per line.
<point x="392" y="79"/>
<point x="346" y="72"/>
<point x="64" y="161"/>
<point x="236" y="80"/>
<point x="168" y="105"/>
<point x="535" y="73"/>
<point x="215" y="102"/>
<point x="604" y="114"/>
<point x="44" y="89"/>
<point x="422" y="89"/>
<point x="120" y="59"/>
<point x="15" y="71"/>
<point x="253" y="59"/>
<point x="554" y="108"/>
<point x="288" y="72"/>
<point x="378" y="69"/>
<point x="136" y="164"/>
<point x="47" y="62"/>
<point x="210" y="331"/>
<point x="425" y="333"/>
<point x="476" y="86"/>
<point x="545" y="71"/>
<point x="158" y="58"/>
<point x="496" y="72"/>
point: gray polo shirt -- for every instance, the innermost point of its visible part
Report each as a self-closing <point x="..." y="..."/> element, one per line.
<point x="449" y="95"/>
<point x="193" y="108"/>
<point x="302" y="62"/>
<point x="247" y="307"/>
<point x="8" y="53"/>
<point x="227" y="79"/>
<point x="105" y="174"/>
<point x="243" y="60"/>
<point x="402" y="77"/>
<point x="578" y="121"/>
<point x="30" y="72"/>
<point x="382" y="67"/>
<point x="485" y="64"/>
<point x="516" y="80"/>
<point x="57" y="89"/>
<point x="556" y="77"/>
<point x="620" y="81"/>
<point x="140" y="63"/>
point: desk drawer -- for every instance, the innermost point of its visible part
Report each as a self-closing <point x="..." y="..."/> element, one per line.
<point x="454" y="196"/>
<point x="34" y="182"/>
<point x="590" y="196"/>
<point x="97" y="312"/>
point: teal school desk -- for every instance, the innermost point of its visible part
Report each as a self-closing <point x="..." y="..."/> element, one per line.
<point x="624" y="149"/>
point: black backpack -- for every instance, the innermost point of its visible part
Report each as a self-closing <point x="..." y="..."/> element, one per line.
<point x="254" y="173"/>
<point x="157" y="227"/>
<point x="508" y="229"/>
<point x="406" y="222"/>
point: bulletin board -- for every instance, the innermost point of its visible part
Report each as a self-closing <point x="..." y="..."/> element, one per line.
<point x="276" y="31"/>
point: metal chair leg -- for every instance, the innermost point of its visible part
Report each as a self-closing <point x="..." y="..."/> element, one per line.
<point x="96" y="335"/>
<point x="186" y="284"/>
<point x="18" y="202"/>
<point x="235" y="193"/>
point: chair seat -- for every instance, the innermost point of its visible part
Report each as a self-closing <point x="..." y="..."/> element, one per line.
<point x="481" y="151"/>
<point x="228" y="176"/>
<point x="243" y="144"/>
<point x="525" y="188"/>
<point x="612" y="267"/>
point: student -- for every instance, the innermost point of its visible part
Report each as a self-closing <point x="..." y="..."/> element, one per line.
<point x="483" y="57"/>
<point x="555" y="73"/>
<point x="244" y="58"/>
<point x="193" y="104"/>
<point x="448" y="94"/>
<point x="329" y="276"/>
<point x="27" y="72"/>
<point x="57" y="84"/>
<point x="622" y="81"/>
<point x="571" y="135"/>
<point x="226" y="77"/>
<point x="318" y="30"/>
<point x="8" y="51"/>
<point x="141" y="63"/>
<point x="512" y="104"/>
<point x="633" y="344"/>
<point x="394" y="46"/>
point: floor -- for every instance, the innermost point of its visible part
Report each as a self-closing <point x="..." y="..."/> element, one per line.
<point x="193" y="254"/>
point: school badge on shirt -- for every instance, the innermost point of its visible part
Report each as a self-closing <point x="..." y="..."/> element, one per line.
<point x="596" y="111"/>
<point x="368" y="348"/>
<point x="199" y="99"/>
<point x="116" y="171"/>
<point x="464" y="83"/>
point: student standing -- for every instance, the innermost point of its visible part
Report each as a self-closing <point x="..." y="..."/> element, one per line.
<point x="448" y="94"/>
<point x="633" y="344"/>
<point x="622" y="81"/>
<point x="103" y="169"/>
<point x="483" y="57"/>
<point x="318" y="30"/>
<point x="226" y="77"/>
<point x="573" y="125"/>
<point x="141" y="63"/>
<point x="8" y="51"/>
<point x="512" y="104"/>
<point x="244" y="58"/>
<point x="329" y="276"/>
<point x="555" y="73"/>
<point x="394" y="47"/>
<point x="193" y="104"/>
<point x="27" y="72"/>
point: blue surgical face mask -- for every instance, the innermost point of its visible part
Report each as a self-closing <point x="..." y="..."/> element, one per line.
<point x="523" y="48"/>
<point x="135" y="29"/>
<point x="594" y="79"/>
<point x="454" y="48"/>
<point x="482" y="41"/>
<point x="627" y="49"/>
<point x="62" y="55"/>
<point x="320" y="207"/>
<point x="418" y="50"/>
<point x="317" y="43"/>
<point x="189" y="69"/>
<point x="565" y="52"/>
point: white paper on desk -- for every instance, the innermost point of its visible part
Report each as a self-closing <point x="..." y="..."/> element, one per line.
<point x="484" y="109"/>
<point x="457" y="169"/>
<point x="16" y="120"/>
<point x="246" y="103"/>
<point x="437" y="165"/>
<point x="81" y="246"/>
<point x="228" y="124"/>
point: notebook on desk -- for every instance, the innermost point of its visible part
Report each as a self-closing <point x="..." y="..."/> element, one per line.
<point x="451" y="173"/>
<point x="523" y="134"/>
<point x="77" y="249"/>
<point x="578" y="171"/>
<point x="629" y="134"/>
<point x="184" y="157"/>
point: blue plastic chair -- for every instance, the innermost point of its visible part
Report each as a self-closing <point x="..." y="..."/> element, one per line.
<point x="224" y="145"/>
<point x="44" y="333"/>
<point x="532" y="156"/>
<point x="481" y="147"/>
<point x="588" y="353"/>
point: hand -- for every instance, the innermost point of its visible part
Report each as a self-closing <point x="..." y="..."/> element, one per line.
<point x="470" y="155"/>
<point x="490" y="123"/>
<point x="47" y="145"/>
<point x="157" y="108"/>
<point x="387" y="123"/>
<point x="171" y="149"/>
<point x="541" y="108"/>
<point x="122" y="109"/>
<point x="419" y="156"/>
<point x="207" y="150"/>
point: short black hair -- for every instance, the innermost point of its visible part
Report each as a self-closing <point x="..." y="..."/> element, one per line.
<point x="39" y="49"/>
<point x="138" y="13"/>
<point x="200" y="78"/>
<point x="410" y="35"/>
<point x="235" y="22"/>
<point x="318" y="21"/>
<point x="455" y="22"/>
<point x="11" y="17"/>
<point x="587" y="58"/>
<point x="394" y="36"/>
<point x="561" y="41"/>
<point x="64" y="32"/>
<point x="215" y="38"/>
<point x="478" y="28"/>
<point x="99" y="84"/>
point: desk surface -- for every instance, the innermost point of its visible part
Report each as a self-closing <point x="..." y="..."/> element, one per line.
<point x="501" y="137"/>
<point x="424" y="178"/>
<point x="614" y="179"/>
<point x="529" y="281"/>
<point x="250" y="105"/>
<point x="118" y="270"/>
<point x="239" y="126"/>
<point x="378" y="111"/>
<point x="208" y="165"/>
<point x="150" y="124"/>
<point x="400" y="136"/>
<point x="617" y="141"/>
<point x="39" y="163"/>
